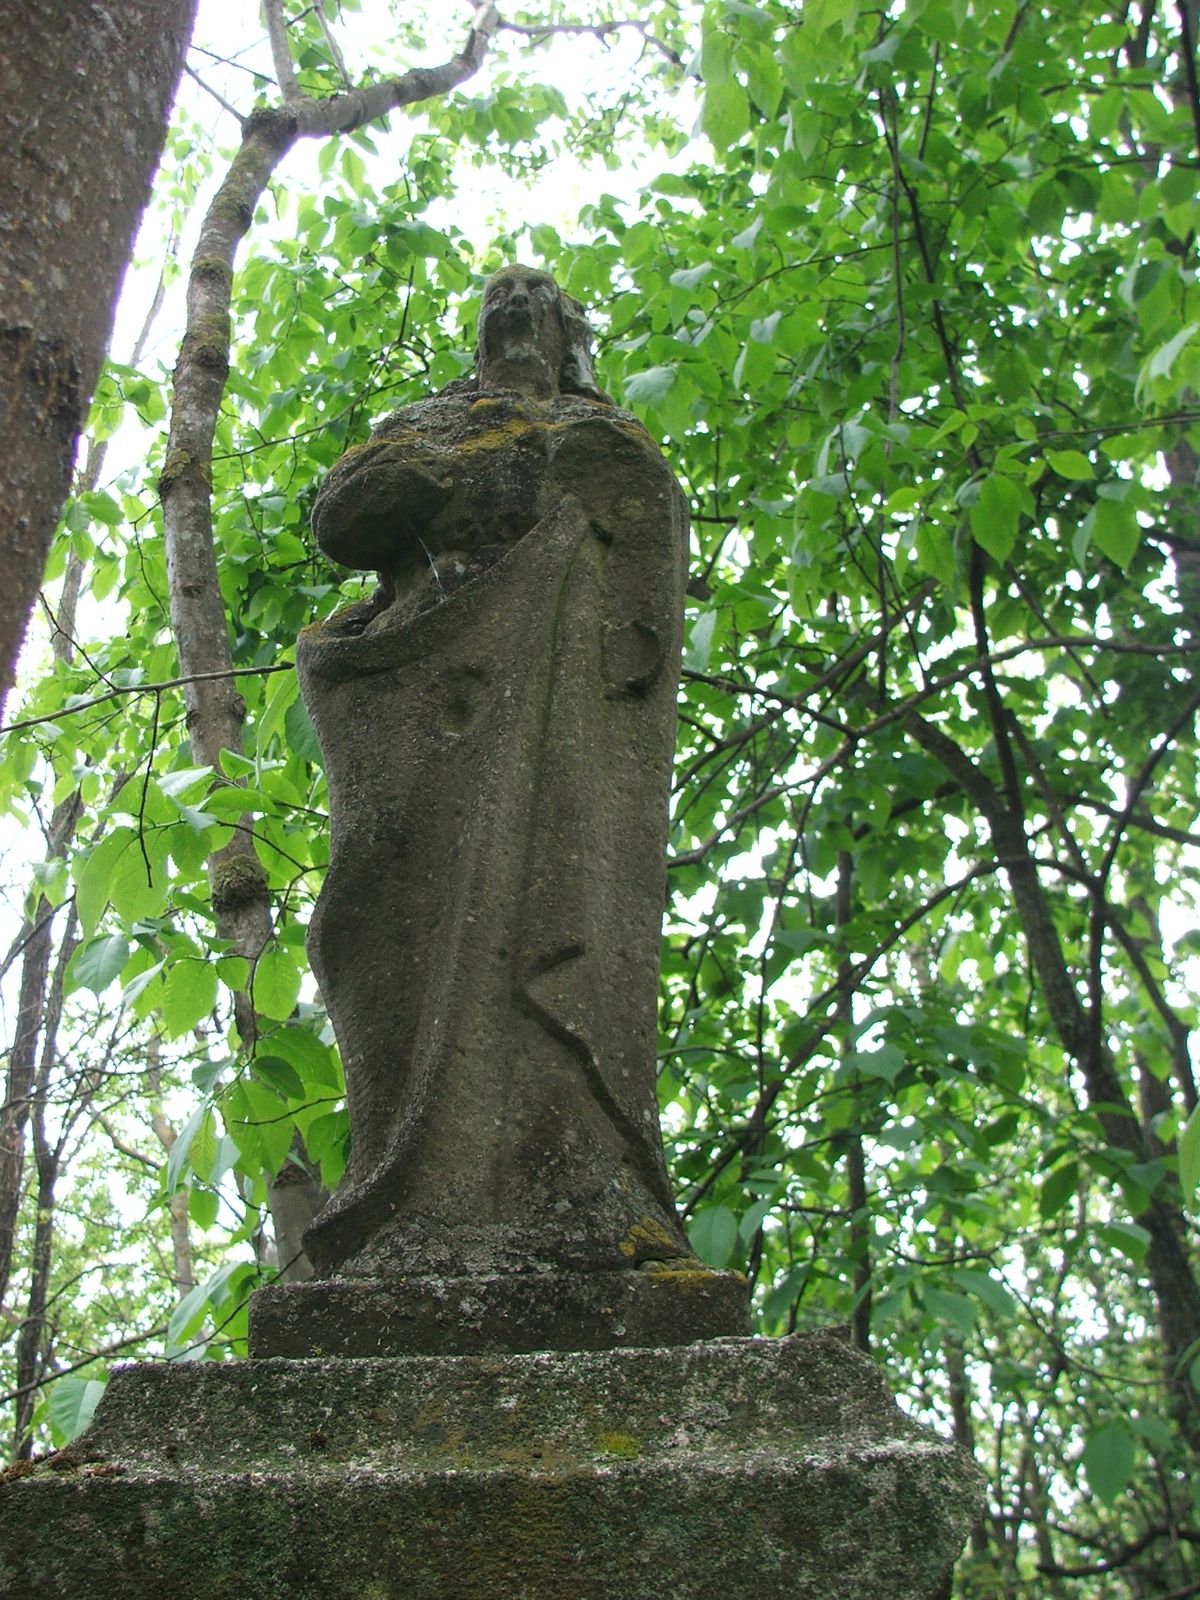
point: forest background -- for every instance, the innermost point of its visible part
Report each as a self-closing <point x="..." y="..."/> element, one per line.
<point x="908" y="293"/>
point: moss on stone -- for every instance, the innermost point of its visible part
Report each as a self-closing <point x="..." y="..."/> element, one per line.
<point x="689" y="1278"/>
<point x="605" y="1476"/>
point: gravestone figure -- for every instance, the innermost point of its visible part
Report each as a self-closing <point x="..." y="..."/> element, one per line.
<point x="498" y="729"/>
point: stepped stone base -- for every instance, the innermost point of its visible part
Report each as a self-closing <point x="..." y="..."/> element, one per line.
<point x="748" y="1469"/>
<point x="650" y="1307"/>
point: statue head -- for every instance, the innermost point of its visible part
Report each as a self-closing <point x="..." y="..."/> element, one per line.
<point x="533" y="337"/>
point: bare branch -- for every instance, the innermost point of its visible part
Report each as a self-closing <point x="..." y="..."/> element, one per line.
<point x="281" y="55"/>
<point x="335" y="55"/>
<point x="345" y="112"/>
<point x="539" y="32"/>
<point x="209" y="90"/>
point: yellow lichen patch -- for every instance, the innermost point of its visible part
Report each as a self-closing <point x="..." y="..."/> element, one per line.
<point x="644" y="1236"/>
<point x="618" y="1444"/>
<point x="504" y="434"/>
<point x="686" y="1280"/>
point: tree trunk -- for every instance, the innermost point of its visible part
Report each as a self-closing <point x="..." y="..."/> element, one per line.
<point x="85" y="90"/>
<point x="31" y="1344"/>
<point x="856" y="1161"/>
<point x="183" y="1273"/>
<point x="37" y="935"/>
<point x="1168" y="1261"/>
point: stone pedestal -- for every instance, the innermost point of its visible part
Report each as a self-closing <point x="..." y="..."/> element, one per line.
<point x="501" y="1313"/>
<point x="747" y="1469"/>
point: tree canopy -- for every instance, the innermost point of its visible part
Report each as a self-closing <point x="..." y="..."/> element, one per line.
<point x="908" y="292"/>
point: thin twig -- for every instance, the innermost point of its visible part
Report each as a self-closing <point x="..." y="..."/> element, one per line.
<point x="538" y="32"/>
<point x="146" y="688"/>
<point x="335" y="55"/>
<point x="219" y="98"/>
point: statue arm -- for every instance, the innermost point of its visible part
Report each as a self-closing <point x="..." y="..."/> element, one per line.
<point x="625" y="488"/>
<point x="377" y="501"/>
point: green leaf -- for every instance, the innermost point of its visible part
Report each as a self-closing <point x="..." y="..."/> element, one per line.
<point x="204" y="1206"/>
<point x="140" y="982"/>
<point x="689" y="277"/>
<point x="326" y="1139"/>
<point x="179" y="1155"/>
<point x="189" y="995"/>
<point x="650" y="387"/>
<point x="988" y="1289"/>
<point x="755" y="1216"/>
<point x="1160" y="363"/>
<point x="125" y="869"/>
<point x="275" y="983"/>
<point x="746" y="239"/>
<point x="72" y="1404"/>
<point x="887" y="1062"/>
<point x="203" y="1150"/>
<point x="187" y="1318"/>
<point x="93" y="876"/>
<point x="211" y="1295"/>
<point x="1071" y="464"/>
<point x="1059" y="1187"/>
<point x="284" y="689"/>
<point x="279" y="1075"/>
<point x="316" y="1063"/>
<point x="1189" y="1158"/>
<point x="725" y="114"/>
<point x="713" y="1235"/>
<point x="99" y="962"/>
<point x="1130" y="1238"/>
<point x="230" y="800"/>
<point x="1108" y="1461"/>
<point x="300" y="733"/>
<point x="700" y="640"/>
<point x="260" y="1124"/>
<point x="954" y="1310"/>
<point x="1112" y="526"/>
<point x="103" y="507"/>
<point x="995" y="516"/>
<point x="935" y="553"/>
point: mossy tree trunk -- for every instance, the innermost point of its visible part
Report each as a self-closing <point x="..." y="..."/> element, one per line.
<point x="84" y="94"/>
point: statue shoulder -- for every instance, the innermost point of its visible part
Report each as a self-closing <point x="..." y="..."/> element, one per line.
<point x="435" y="411"/>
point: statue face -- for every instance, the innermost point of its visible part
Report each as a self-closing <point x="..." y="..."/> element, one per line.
<point x="522" y="321"/>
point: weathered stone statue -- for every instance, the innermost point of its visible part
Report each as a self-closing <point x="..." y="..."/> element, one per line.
<point x="550" y="1414"/>
<point x="498" y="729"/>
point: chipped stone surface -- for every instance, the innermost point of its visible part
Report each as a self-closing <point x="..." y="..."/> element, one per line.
<point x="749" y="1468"/>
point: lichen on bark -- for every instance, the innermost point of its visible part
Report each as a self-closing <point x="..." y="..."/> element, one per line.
<point x="237" y="881"/>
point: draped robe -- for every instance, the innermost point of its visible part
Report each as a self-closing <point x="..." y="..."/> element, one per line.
<point x="498" y="744"/>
